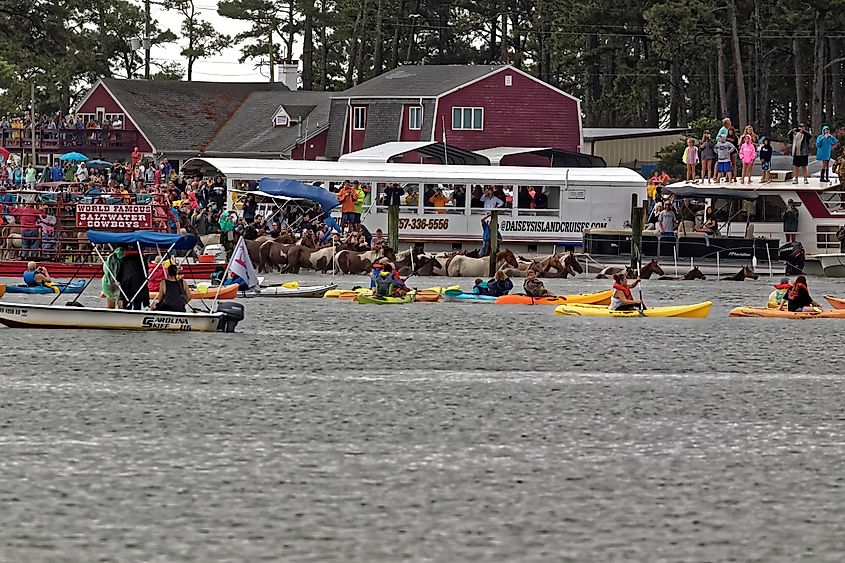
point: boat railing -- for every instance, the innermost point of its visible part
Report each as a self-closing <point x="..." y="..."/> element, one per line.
<point x="834" y="201"/>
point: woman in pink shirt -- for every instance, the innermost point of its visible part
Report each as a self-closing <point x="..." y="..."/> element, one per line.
<point x="748" y="154"/>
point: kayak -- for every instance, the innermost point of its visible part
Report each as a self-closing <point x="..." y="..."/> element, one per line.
<point x="694" y="311"/>
<point x="778" y="314"/>
<point x="283" y="291"/>
<point x="835" y="302"/>
<point x="600" y="298"/>
<point x="377" y="300"/>
<point x="427" y="295"/>
<point x="226" y="292"/>
<point x="456" y="295"/>
<point x="72" y="287"/>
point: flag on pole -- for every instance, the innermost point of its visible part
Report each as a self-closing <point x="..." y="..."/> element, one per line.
<point x="241" y="265"/>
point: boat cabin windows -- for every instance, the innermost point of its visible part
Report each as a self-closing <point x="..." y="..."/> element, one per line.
<point x="826" y="238"/>
<point x="538" y="200"/>
<point x="765" y="209"/>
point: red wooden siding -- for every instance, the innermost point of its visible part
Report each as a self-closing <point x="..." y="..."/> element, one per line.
<point x="406" y="133"/>
<point x="100" y="98"/>
<point x="356" y="136"/>
<point x="316" y="147"/>
<point x="526" y="114"/>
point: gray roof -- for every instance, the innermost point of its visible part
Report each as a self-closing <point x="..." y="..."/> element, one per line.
<point x="250" y="129"/>
<point x="414" y="81"/>
<point x="606" y="133"/>
<point x="220" y="117"/>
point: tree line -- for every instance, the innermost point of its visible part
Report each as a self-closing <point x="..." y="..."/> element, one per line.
<point x="633" y="63"/>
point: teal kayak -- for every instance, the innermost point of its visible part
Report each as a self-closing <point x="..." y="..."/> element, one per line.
<point x="72" y="287"/>
<point x="458" y="295"/>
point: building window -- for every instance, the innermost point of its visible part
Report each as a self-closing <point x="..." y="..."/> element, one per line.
<point x="359" y="117"/>
<point x="468" y="118"/>
<point x="115" y="120"/>
<point x="508" y="80"/>
<point x="415" y="117"/>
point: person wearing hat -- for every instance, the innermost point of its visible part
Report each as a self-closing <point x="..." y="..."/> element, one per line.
<point x="824" y="144"/>
<point x="778" y="296"/>
<point x="790" y="221"/>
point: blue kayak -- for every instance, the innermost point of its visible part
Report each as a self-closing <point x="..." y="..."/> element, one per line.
<point x="72" y="287"/>
<point x="458" y="295"/>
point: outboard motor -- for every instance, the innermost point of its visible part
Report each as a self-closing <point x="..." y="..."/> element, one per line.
<point x="793" y="255"/>
<point x="233" y="313"/>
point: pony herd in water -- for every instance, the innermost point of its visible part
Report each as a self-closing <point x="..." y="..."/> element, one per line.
<point x="285" y="255"/>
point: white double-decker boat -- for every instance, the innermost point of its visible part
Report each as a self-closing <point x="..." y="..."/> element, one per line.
<point x="578" y="198"/>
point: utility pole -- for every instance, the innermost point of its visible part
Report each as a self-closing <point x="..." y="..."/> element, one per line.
<point x="32" y="117"/>
<point x="146" y="39"/>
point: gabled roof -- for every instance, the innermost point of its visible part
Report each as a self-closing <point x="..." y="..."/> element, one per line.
<point x="419" y="81"/>
<point x="251" y="130"/>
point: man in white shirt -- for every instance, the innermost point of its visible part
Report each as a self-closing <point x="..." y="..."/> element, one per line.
<point x="490" y="201"/>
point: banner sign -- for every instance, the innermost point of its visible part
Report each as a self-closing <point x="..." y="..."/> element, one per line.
<point x="96" y="216"/>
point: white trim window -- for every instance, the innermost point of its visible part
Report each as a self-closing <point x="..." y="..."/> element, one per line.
<point x="468" y="118"/>
<point x="415" y="114"/>
<point x="359" y="118"/>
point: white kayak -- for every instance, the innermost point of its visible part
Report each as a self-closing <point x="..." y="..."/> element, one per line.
<point x="22" y="315"/>
<point x="282" y="291"/>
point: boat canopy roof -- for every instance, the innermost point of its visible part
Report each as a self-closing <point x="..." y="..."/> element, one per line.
<point x="144" y="238"/>
<point x="309" y="171"/>
<point x="685" y="190"/>
<point x="295" y="189"/>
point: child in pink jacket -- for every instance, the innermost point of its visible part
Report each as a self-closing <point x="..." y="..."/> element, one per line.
<point x="748" y="154"/>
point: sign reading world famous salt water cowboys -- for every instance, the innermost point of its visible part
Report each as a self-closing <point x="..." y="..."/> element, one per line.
<point x="96" y="216"/>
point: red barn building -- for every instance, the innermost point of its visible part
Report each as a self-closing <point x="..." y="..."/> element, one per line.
<point x="476" y="106"/>
<point x="178" y="120"/>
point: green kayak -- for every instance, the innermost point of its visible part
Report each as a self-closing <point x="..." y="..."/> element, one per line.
<point x="375" y="299"/>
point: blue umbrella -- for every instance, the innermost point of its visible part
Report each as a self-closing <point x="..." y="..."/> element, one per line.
<point x="98" y="164"/>
<point x="73" y="157"/>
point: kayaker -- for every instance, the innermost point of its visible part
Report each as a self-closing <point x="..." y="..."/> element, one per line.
<point x="499" y="285"/>
<point x="798" y="297"/>
<point x="235" y="279"/>
<point x="399" y="288"/>
<point x="389" y="285"/>
<point x="173" y="294"/>
<point x="36" y="275"/>
<point x="534" y="287"/>
<point x="480" y="287"/>
<point x="622" y="298"/>
<point x="778" y="296"/>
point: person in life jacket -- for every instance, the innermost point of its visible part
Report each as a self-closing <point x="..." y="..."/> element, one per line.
<point x="778" y="296"/>
<point x="622" y="298"/>
<point x="480" y="287"/>
<point x="390" y="284"/>
<point x="36" y="275"/>
<point x="378" y="268"/>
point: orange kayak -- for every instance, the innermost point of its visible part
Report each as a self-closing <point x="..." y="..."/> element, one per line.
<point x="835" y="302"/>
<point x="600" y="298"/>
<point x="227" y="292"/>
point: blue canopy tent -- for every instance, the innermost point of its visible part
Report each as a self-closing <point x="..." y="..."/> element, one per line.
<point x="298" y="190"/>
<point x="148" y="239"/>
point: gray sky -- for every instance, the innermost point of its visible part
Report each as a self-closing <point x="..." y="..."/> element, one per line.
<point x="221" y="68"/>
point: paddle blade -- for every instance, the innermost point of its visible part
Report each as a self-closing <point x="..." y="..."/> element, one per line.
<point x="291" y="285"/>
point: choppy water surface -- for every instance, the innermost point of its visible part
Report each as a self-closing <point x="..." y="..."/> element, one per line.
<point x="331" y="431"/>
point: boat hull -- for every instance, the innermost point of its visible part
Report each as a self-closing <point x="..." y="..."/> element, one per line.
<point x="19" y="315"/>
<point x="765" y="312"/>
<point x="600" y="298"/>
<point x="833" y="265"/>
<point x="74" y="287"/>
<point x="835" y="302"/>
<point x="226" y="292"/>
<point x="694" y="311"/>
<point x="281" y="291"/>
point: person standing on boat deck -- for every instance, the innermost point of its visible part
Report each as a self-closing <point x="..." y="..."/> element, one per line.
<point x="666" y="222"/>
<point x="132" y="279"/>
<point x="800" y="139"/>
<point x="766" y="159"/>
<point x="734" y="140"/>
<point x="346" y="196"/>
<point x="824" y="144"/>
<point x="708" y="156"/>
<point x="747" y="154"/>
<point x="35" y="275"/>
<point x="726" y="124"/>
<point x="173" y="294"/>
<point x="534" y="287"/>
<point x="790" y="221"/>
<point x="724" y="150"/>
<point x="690" y="158"/>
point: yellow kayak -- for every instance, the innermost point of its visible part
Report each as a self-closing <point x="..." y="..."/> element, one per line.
<point x="428" y="294"/>
<point x="778" y="314"/>
<point x="695" y="311"/>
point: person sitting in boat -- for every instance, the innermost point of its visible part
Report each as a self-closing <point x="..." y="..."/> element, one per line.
<point x="35" y="275"/>
<point x="480" y="287"/>
<point x="399" y="288"/>
<point x="778" y="296"/>
<point x="389" y="284"/>
<point x="798" y="298"/>
<point x="216" y="276"/>
<point x="499" y="285"/>
<point x="710" y="226"/>
<point x="235" y="279"/>
<point x="174" y="292"/>
<point x="132" y="279"/>
<point x="622" y="298"/>
<point x="155" y="273"/>
<point x="534" y="287"/>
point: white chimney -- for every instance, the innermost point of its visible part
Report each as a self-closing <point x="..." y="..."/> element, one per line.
<point x="288" y="74"/>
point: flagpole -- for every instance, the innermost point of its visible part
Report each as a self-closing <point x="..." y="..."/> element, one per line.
<point x="225" y="273"/>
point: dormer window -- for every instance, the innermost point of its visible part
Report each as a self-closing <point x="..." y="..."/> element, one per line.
<point x="281" y="118"/>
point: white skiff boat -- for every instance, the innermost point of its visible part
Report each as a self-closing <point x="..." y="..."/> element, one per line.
<point x="832" y="264"/>
<point x="25" y="315"/>
<point x="282" y="291"/>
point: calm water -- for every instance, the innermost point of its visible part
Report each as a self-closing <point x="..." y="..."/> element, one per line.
<point x="330" y="431"/>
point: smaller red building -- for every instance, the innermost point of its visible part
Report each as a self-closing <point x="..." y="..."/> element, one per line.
<point x="471" y="106"/>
